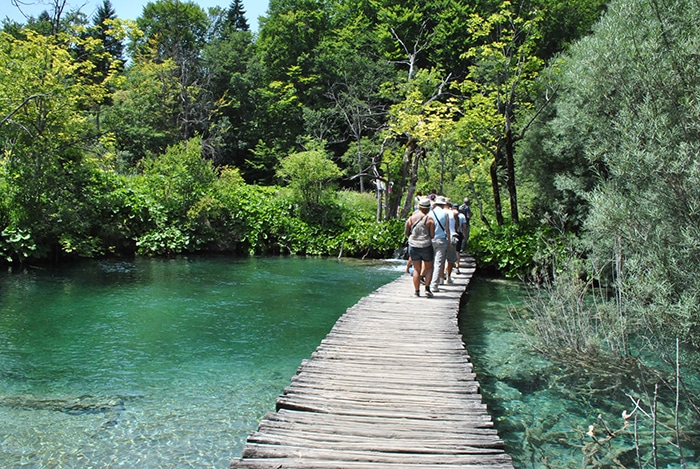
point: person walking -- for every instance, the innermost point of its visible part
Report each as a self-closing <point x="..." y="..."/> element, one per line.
<point x="440" y="239"/>
<point x="466" y="211"/>
<point x="420" y="229"/>
<point x="453" y="241"/>
<point x="463" y="229"/>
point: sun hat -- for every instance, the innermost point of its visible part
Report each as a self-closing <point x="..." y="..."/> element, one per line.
<point x="440" y="200"/>
<point x="424" y="202"/>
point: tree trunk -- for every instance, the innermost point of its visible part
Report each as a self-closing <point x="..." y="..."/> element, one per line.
<point x="510" y="172"/>
<point x="407" y="209"/>
<point x="359" y="166"/>
<point x="407" y="176"/>
<point x="496" y="191"/>
<point x="380" y="203"/>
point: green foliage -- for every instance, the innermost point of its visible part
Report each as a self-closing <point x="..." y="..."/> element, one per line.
<point x="16" y="245"/>
<point x="373" y="239"/>
<point x="565" y="22"/>
<point x="98" y="156"/>
<point x="172" y="30"/>
<point x="309" y="175"/>
<point x="626" y="121"/>
<point x="52" y="189"/>
<point x="164" y="241"/>
<point x="508" y="249"/>
<point x="144" y="111"/>
<point x="555" y="169"/>
<point x="171" y="185"/>
<point x="629" y="109"/>
<point x="360" y="206"/>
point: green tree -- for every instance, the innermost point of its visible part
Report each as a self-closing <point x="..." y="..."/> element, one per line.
<point x="564" y="22"/>
<point x="144" y="114"/>
<point x="46" y="129"/>
<point x="172" y="30"/>
<point x="178" y="31"/>
<point x="171" y="186"/>
<point x="227" y="57"/>
<point x="630" y="93"/>
<point x="420" y="121"/>
<point x="103" y="30"/>
<point x="287" y="81"/>
<point x="235" y="16"/>
<point x="354" y="107"/>
<point x="309" y="174"/>
<point x="505" y="71"/>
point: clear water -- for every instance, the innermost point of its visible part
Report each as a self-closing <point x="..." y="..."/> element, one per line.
<point x="537" y="407"/>
<point x="172" y="363"/>
<point x="159" y="363"/>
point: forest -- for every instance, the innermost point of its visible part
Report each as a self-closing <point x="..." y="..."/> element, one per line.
<point x="573" y="127"/>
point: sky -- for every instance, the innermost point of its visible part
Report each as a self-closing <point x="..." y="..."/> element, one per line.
<point x="126" y="9"/>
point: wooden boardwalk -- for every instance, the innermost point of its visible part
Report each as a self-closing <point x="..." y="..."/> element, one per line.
<point x="391" y="386"/>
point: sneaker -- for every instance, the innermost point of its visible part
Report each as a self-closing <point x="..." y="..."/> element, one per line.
<point x="417" y="293"/>
<point x="428" y="294"/>
<point x="435" y="288"/>
<point x="458" y="271"/>
<point x="450" y="281"/>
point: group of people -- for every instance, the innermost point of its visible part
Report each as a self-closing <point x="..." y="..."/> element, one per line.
<point x="437" y="232"/>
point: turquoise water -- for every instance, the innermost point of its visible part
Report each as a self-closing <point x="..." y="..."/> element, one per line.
<point x="159" y="363"/>
<point x="172" y="363"/>
<point x="543" y="411"/>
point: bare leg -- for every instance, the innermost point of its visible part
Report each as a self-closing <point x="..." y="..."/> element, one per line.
<point x="417" y="267"/>
<point x="428" y="273"/>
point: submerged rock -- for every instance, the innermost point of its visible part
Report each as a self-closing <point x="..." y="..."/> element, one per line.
<point x="80" y="405"/>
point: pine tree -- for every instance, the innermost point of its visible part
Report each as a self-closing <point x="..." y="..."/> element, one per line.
<point x="236" y="16"/>
<point x="100" y="30"/>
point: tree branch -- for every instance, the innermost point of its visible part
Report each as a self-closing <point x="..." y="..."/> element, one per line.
<point x="18" y="108"/>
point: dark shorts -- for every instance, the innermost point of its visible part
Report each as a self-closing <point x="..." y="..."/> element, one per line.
<point x="421" y="254"/>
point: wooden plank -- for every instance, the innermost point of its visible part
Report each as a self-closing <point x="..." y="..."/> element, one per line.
<point x="355" y="427"/>
<point x="376" y="409"/>
<point x="292" y="462"/>
<point x="400" y="422"/>
<point x="257" y="451"/>
<point x="379" y="444"/>
<point x="391" y="386"/>
<point x="418" y="381"/>
<point x="360" y="386"/>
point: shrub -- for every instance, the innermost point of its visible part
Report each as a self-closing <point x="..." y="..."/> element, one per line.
<point x="508" y="250"/>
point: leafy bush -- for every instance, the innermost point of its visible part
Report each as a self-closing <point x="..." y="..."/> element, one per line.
<point x="309" y="175"/>
<point x="179" y="204"/>
<point x="171" y="186"/>
<point x="16" y="244"/>
<point x="373" y="239"/>
<point x="509" y="249"/>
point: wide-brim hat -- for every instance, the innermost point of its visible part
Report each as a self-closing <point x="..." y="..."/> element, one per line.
<point x="440" y="200"/>
<point x="424" y="202"/>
